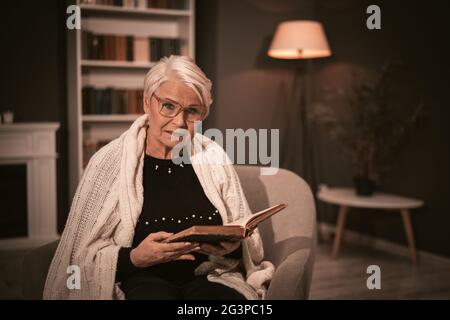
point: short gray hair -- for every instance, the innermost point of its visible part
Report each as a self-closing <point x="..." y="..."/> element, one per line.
<point x="180" y="68"/>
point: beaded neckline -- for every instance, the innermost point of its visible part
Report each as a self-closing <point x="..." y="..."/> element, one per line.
<point x="162" y="164"/>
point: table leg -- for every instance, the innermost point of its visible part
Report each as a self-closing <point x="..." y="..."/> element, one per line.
<point x="339" y="230"/>
<point x="409" y="234"/>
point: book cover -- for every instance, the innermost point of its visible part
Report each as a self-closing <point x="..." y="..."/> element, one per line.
<point x="234" y="231"/>
<point x="141" y="48"/>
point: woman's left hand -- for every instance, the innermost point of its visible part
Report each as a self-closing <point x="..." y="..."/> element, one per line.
<point x="219" y="249"/>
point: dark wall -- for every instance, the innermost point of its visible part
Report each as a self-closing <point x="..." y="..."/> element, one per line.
<point x="254" y="91"/>
<point x="33" y="77"/>
<point x="420" y="167"/>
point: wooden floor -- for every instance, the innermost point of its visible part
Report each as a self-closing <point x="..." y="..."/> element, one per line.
<point x="344" y="278"/>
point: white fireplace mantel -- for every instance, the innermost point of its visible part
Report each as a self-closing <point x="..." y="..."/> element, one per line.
<point x="33" y="144"/>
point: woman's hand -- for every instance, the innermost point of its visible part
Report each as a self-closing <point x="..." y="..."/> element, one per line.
<point x="152" y="251"/>
<point x="220" y="249"/>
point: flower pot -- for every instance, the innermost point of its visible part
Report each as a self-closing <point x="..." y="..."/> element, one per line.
<point x="363" y="186"/>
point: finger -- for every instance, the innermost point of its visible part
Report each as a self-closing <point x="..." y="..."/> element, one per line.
<point x="186" y="257"/>
<point x="203" y="252"/>
<point x="210" y="247"/>
<point x="177" y="246"/>
<point x="225" y="244"/>
<point x="183" y="251"/>
<point x="159" y="236"/>
<point x="229" y="244"/>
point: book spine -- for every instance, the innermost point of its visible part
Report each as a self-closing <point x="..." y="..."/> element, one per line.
<point x="129" y="44"/>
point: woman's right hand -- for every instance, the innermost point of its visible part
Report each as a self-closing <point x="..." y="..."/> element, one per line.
<point x="153" y="251"/>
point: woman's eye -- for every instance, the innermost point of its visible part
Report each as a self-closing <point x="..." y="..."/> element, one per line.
<point x="168" y="106"/>
<point x="193" y="110"/>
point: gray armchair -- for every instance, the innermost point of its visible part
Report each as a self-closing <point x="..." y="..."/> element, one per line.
<point x="289" y="237"/>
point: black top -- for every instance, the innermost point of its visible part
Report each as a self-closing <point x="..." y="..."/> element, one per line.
<point x="173" y="201"/>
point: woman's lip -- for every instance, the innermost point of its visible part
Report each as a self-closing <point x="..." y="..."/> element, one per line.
<point x="172" y="134"/>
<point x="176" y="133"/>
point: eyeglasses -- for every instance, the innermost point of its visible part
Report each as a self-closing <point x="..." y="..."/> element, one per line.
<point x="171" y="109"/>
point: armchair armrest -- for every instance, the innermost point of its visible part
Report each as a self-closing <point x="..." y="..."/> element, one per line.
<point x="292" y="278"/>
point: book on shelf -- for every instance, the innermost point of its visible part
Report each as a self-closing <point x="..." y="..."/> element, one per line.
<point x="127" y="48"/>
<point x="167" y="4"/>
<point x="235" y="231"/>
<point x="131" y="3"/>
<point x="161" y="47"/>
<point x="160" y="4"/>
<point x="111" y="101"/>
<point x="141" y="49"/>
<point x="115" y="3"/>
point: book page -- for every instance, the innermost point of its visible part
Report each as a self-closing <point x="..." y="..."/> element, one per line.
<point x="252" y="220"/>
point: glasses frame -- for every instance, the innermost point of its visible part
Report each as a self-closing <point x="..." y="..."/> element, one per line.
<point x="179" y="106"/>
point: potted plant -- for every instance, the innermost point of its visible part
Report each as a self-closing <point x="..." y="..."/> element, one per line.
<point x="369" y="120"/>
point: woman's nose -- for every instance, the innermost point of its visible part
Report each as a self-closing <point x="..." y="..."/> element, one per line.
<point x="180" y="120"/>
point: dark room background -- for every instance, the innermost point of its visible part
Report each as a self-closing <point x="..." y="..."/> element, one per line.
<point x="252" y="90"/>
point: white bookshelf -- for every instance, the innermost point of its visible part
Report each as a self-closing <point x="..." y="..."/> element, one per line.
<point x="116" y="64"/>
<point x="114" y="20"/>
<point x="155" y="12"/>
<point x="110" y="118"/>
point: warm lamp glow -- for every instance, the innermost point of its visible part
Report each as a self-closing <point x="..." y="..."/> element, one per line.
<point x="299" y="39"/>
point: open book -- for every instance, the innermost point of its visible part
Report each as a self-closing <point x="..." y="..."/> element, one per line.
<point x="234" y="231"/>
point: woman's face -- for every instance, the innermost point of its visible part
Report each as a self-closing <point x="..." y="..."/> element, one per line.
<point x="160" y="126"/>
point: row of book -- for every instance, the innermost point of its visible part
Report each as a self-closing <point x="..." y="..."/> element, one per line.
<point x="112" y="101"/>
<point x="167" y="4"/>
<point x="127" y="48"/>
<point x="91" y="146"/>
<point x="160" y="4"/>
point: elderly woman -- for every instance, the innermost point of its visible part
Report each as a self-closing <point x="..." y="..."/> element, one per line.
<point x="133" y="196"/>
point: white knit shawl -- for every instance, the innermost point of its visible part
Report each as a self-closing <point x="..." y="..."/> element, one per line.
<point x="108" y="202"/>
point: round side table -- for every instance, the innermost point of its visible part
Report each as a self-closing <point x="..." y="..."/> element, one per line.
<point x="346" y="198"/>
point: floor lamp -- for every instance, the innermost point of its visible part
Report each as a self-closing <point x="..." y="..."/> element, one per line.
<point x="302" y="39"/>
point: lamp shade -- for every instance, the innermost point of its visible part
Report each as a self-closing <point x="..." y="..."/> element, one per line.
<point x="299" y="39"/>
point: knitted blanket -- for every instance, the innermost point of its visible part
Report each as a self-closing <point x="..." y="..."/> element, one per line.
<point x="108" y="202"/>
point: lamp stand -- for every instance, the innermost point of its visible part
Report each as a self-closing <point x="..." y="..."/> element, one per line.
<point x="309" y="149"/>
